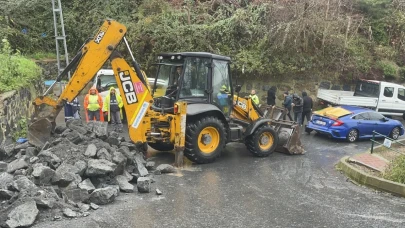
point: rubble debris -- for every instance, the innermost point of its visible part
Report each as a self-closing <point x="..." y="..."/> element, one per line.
<point x="87" y="185"/>
<point x="17" y="164"/>
<point x="150" y="165"/>
<point x="91" y="151"/>
<point x="5" y="194"/>
<point x="94" y="206"/>
<point x="139" y="162"/>
<point x="103" y="154"/>
<point x="143" y="184"/>
<point x="99" y="167"/>
<point x="69" y="213"/>
<point x="158" y="192"/>
<point x="166" y="168"/>
<point x="103" y="196"/>
<point x="81" y="166"/>
<point x="3" y="166"/>
<point x="23" y="215"/>
<point x="42" y="174"/>
<point x="122" y="182"/>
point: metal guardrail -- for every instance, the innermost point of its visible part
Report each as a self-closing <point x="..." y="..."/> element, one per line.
<point x="386" y="138"/>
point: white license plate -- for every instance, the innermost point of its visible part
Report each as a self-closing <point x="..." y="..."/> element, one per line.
<point x="320" y="122"/>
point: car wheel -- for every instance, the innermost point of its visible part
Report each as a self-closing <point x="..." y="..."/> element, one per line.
<point x="395" y="133"/>
<point x="352" y="136"/>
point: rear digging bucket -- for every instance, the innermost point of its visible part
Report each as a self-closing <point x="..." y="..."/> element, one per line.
<point x="39" y="132"/>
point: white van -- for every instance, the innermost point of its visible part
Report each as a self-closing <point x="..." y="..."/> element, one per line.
<point x="384" y="97"/>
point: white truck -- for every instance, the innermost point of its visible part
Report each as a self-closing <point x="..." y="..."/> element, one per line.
<point x="384" y="97"/>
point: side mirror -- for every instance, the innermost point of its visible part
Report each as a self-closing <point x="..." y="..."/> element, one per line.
<point x="238" y="88"/>
<point x="384" y="119"/>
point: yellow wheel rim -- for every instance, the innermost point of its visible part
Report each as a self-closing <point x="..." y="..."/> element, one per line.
<point x="208" y="140"/>
<point x="266" y="140"/>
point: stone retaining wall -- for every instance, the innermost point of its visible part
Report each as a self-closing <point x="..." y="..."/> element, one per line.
<point x="16" y="105"/>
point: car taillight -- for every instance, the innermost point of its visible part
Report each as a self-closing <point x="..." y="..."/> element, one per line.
<point x="337" y="123"/>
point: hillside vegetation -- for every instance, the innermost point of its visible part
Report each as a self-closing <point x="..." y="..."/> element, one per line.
<point x="340" y="40"/>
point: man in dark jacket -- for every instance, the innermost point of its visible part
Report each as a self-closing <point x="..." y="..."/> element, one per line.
<point x="287" y="105"/>
<point x="307" y="108"/>
<point x="271" y="96"/>
<point x="297" y="108"/>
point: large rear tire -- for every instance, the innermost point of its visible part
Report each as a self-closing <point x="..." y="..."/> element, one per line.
<point x="205" y="140"/>
<point x="162" y="146"/>
<point x="262" y="142"/>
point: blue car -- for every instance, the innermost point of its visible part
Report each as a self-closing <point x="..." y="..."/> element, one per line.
<point x="352" y="123"/>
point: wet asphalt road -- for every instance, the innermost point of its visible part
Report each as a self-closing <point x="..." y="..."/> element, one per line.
<point x="240" y="190"/>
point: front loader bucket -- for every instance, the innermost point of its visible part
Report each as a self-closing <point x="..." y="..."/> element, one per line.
<point x="290" y="140"/>
<point x="39" y="132"/>
<point x="288" y="132"/>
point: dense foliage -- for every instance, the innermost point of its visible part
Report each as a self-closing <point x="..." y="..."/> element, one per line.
<point x="338" y="39"/>
<point x="16" y="71"/>
<point x="396" y="171"/>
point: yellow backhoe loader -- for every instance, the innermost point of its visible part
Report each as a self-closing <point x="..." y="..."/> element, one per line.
<point x="198" y="113"/>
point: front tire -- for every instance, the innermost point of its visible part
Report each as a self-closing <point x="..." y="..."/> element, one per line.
<point x="352" y="136"/>
<point x="395" y="133"/>
<point x="205" y="140"/>
<point x="262" y="142"/>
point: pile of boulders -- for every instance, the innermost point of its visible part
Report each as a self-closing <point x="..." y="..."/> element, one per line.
<point x="81" y="167"/>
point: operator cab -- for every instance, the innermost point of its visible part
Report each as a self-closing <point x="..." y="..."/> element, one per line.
<point x="195" y="77"/>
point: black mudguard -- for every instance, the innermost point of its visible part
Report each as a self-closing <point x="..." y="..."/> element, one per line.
<point x="252" y="127"/>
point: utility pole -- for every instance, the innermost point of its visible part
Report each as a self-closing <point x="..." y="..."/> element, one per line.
<point x="60" y="37"/>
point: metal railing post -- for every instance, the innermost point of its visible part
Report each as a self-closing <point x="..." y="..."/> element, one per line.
<point x="372" y="143"/>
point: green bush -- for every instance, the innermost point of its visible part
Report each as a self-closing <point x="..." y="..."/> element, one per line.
<point x="396" y="170"/>
<point x="401" y="73"/>
<point x="21" y="131"/>
<point x="389" y="68"/>
<point x="16" y="71"/>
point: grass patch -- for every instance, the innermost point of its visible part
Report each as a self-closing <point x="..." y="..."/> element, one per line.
<point x="41" y="56"/>
<point x="396" y="170"/>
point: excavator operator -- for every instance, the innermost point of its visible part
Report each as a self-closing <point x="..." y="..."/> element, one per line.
<point x="171" y="89"/>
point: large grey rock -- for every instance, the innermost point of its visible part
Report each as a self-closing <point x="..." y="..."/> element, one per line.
<point x="74" y="122"/>
<point x="47" y="156"/>
<point x="99" y="167"/>
<point x="103" y="196"/>
<point x="59" y="129"/>
<point x="81" y="167"/>
<point x="75" y="137"/>
<point x="31" y="152"/>
<point x="17" y="164"/>
<point x="23" y="184"/>
<point x="69" y="213"/>
<point x="123" y="184"/>
<point x="91" y="151"/>
<point x="65" y="174"/>
<point x="94" y="206"/>
<point x="150" y="165"/>
<point x="87" y="185"/>
<point x="113" y="138"/>
<point x="143" y="184"/>
<point x="5" y="194"/>
<point x="76" y="195"/>
<point x="46" y="203"/>
<point x="5" y="179"/>
<point x="23" y="215"/>
<point x="140" y="166"/>
<point x="101" y="129"/>
<point x="42" y="174"/>
<point x="166" y="168"/>
<point x="129" y="145"/>
<point x="121" y="161"/>
<point x="46" y="146"/>
<point x="75" y="182"/>
<point x="104" y="154"/>
<point x="3" y="167"/>
<point x="22" y="146"/>
<point x="82" y="130"/>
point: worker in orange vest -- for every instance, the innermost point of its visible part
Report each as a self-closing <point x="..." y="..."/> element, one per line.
<point x="93" y="105"/>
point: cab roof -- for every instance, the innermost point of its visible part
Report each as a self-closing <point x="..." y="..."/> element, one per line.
<point x="197" y="54"/>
